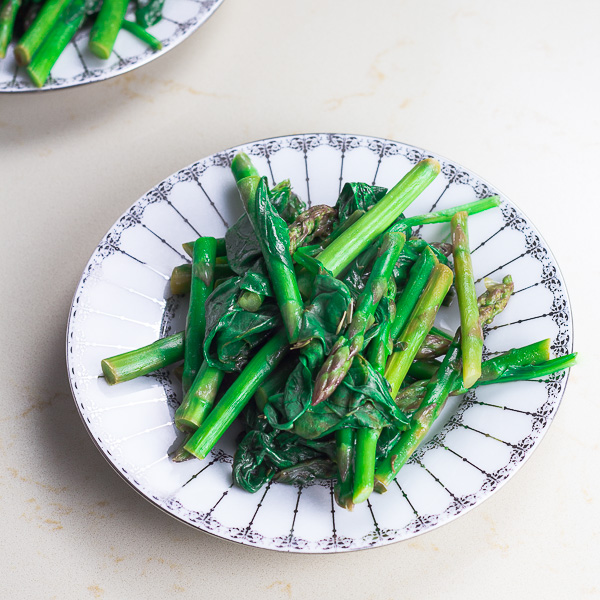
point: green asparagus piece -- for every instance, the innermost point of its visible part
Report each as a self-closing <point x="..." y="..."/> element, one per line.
<point x="344" y="450"/>
<point x="8" y="14"/>
<point x="142" y="361"/>
<point x="374" y="222"/>
<point x="106" y="27"/>
<point x="433" y="346"/>
<point x="364" y="468"/>
<point x="314" y="223"/>
<point x="518" y="364"/>
<point x="272" y="233"/>
<point x="494" y="300"/>
<point x="423" y="369"/>
<point x="205" y="249"/>
<point x="56" y="41"/>
<point x="441" y="333"/>
<point x="221" y="250"/>
<point x="33" y="38"/>
<point x="181" y="277"/>
<point x="237" y="396"/>
<point x="198" y="401"/>
<point x="381" y="346"/>
<point x="417" y="280"/>
<point x="444" y="216"/>
<point x="242" y="167"/>
<point x="142" y="34"/>
<point x="181" y="454"/>
<point x="349" y="344"/>
<point x="436" y="393"/>
<point x="418" y="326"/>
<point x="471" y="333"/>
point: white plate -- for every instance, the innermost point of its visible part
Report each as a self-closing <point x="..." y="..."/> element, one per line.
<point x="77" y="65"/>
<point x="122" y="302"/>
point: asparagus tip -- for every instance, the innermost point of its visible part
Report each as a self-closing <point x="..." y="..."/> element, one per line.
<point x="242" y="167"/>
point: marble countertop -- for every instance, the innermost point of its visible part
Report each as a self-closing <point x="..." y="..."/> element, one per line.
<point x="508" y="89"/>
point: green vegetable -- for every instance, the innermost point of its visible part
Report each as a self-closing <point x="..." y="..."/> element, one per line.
<point x="32" y="39"/>
<point x="344" y="452"/>
<point x="364" y="468"/>
<point x="106" y="27"/>
<point x="149" y="12"/>
<point x="420" y="273"/>
<point x="181" y="277"/>
<point x="237" y="396"/>
<point x="349" y="344"/>
<point x="273" y="237"/>
<point x="418" y="326"/>
<point x="56" y="41"/>
<point x="436" y="392"/>
<point x="8" y="14"/>
<point x="472" y="335"/>
<point x="205" y="249"/>
<point x="199" y="399"/>
<point x="143" y="35"/>
<point x="142" y="361"/>
<point x="443" y="216"/>
<point x="373" y="223"/>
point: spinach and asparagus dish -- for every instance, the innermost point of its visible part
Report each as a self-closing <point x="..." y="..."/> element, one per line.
<point x="42" y="29"/>
<point x="316" y="327"/>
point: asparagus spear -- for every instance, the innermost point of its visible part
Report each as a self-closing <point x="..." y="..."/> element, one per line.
<point x="142" y="361"/>
<point x="438" y="388"/>
<point x="433" y="346"/>
<point x="237" y="396"/>
<point x="181" y="277"/>
<point x="349" y="344"/>
<point x="443" y="216"/>
<point x="495" y="370"/>
<point x="272" y="233"/>
<point x="56" y="41"/>
<point x="471" y="333"/>
<point x="33" y="38"/>
<point x="375" y="221"/>
<point x="344" y="445"/>
<point x="364" y="468"/>
<point x="221" y="250"/>
<point x="494" y="300"/>
<point x="143" y="35"/>
<point x="205" y="249"/>
<point x="417" y="280"/>
<point x="418" y="326"/>
<point x="381" y="346"/>
<point x="106" y="27"/>
<point x="8" y="14"/>
<point x="198" y="401"/>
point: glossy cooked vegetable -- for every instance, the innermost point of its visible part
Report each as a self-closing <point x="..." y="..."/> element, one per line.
<point x="325" y="320"/>
<point x="57" y="21"/>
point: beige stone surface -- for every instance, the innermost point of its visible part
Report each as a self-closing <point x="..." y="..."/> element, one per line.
<point x="509" y="89"/>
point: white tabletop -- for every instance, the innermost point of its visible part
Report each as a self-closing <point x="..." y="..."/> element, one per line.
<point x="508" y="89"/>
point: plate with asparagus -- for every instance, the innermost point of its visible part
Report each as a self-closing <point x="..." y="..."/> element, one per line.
<point x="54" y="44"/>
<point x="319" y="343"/>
